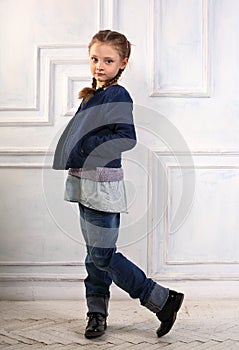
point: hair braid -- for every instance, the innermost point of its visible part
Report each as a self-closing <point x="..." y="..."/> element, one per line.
<point x="114" y="80"/>
<point x="87" y="92"/>
<point x="94" y="83"/>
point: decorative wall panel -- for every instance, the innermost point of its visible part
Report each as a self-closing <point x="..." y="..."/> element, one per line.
<point x="55" y="65"/>
<point x="31" y="243"/>
<point x="28" y="67"/>
<point x="179" y="48"/>
<point x="208" y="235"/>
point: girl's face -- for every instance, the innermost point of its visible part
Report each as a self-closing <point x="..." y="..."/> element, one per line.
<point x="105" y="62"/>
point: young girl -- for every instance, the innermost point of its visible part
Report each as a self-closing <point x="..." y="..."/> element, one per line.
<point x="90" y="148"/>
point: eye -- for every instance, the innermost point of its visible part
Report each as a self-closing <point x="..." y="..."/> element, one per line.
<point x="94" y="59"/>
<point x="108" y="61"/>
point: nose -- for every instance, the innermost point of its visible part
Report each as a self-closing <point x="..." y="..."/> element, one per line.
<point x="98" y="65"/>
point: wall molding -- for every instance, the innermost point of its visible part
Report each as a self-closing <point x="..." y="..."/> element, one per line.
<point x="160" y="265"/>
<point x="26" y="158"/>
<point x="167" y="261"/>
<point x="162" y="152"/>
<point x="41" y="277"/>
<point x="108" y="13"/>
<point x="69" y="107"/>
<point x="184" y="277"/>
<point x="33" y="157"/>
<point x="75" y="290"/>
<point x="42" y="263"/>
<point x="155" y="33"/>
<point x="48" y="57"/>
<point x="42" y="111"/>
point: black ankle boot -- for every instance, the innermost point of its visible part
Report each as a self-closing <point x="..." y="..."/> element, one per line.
<point x="168" y="314"/>
<point x="96" y="325"/>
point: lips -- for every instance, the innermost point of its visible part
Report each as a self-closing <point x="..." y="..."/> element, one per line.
<point x="99" y="74"/>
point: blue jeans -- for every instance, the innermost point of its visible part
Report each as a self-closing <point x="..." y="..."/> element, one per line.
<point x="104" y="265"/>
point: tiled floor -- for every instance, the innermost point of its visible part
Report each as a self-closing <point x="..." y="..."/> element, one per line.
<point x="60" y="325"/>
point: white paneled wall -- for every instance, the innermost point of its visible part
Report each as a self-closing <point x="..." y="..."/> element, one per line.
<point x="182" y="178"/>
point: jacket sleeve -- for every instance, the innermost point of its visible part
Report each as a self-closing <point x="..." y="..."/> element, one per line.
<point x="116" y="135"/>
<point x="59" y="163"/>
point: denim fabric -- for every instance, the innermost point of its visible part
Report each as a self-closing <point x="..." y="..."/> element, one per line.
<point x="104" y="264"/>
<point x="98" y="304"/>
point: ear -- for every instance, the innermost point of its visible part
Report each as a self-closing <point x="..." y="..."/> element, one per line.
<point x="124" y="63"/>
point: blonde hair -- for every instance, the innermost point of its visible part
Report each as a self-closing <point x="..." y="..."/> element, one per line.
<point x="121" y="44"/>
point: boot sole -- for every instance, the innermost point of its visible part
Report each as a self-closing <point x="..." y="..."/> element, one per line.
<point x="91" y="335"/>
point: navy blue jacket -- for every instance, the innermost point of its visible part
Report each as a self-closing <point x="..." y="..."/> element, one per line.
<point x="99" y="132"/>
